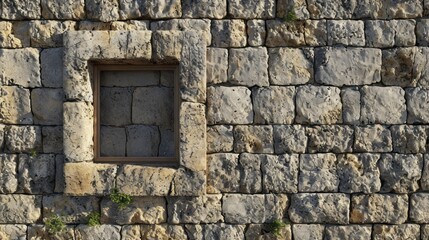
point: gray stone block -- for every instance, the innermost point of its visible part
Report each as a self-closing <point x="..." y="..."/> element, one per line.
<point x="346" y="32"/>
<point x="274" y="105"/>
<point x="228" y="33"/>
<point x="69" y="209"/>
<point x="248" y="67"/>
<point x="220" y="138"/>
<point x="256" y="32"/>
<point x="247" y="9"/>
<point x="355" y="232"/>
<point x="19" y="208"/>
<point x="351" y="105"/>
<point x="36" y="174"/>
<point x="52" y="138"/>
<point x="290" y="66"/>
<point x="409" y="139"/>
<point x="23" y="139"/>
<point x="250" y="173"/>
<point x="253" y="139"/>
<point x="330" y="138"/>
<point x="9" y="176"/>
<point x="196" y="210"/>
<point x="113" y="141"/>
<point x="418" y="203"/>
<point x="51" y="67"/>
<point x="217" y="65"/>
<point x="243" y="208"/>
<point x="153" y="106"/>
<point x="46" y="33"/>
<point x="112" y="106"/>
<point x="289" y="139"/>
<point x="59" y="9"/>
<point x="142" y="141"/>
<point x="20" y="10"/>
<point x="318" y="173"/>
<point x="20" y="67"/>
<point x="280" y="34"/>
<point x="47" y="106"/>
<point x="280" y="173"/>
<point x="411" y="231"/>
<point x="204" y="9"/>
<point x="16" y="105"/>
<point x="223" y="173"/>
<point x="373" y="138"/>
<point x="103" y="231"/>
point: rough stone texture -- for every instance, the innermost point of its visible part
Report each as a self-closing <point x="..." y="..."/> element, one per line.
<point x="46" y="33"/>
<point x="256" y="32"/>
<point x="52" y="139"/>
<point x="204" y="209"/>
<point x="69" y="209"/>
<point x="347" y="66"/>
<point x="248" y="67"/>
<point x="250" y="173"/>
<point x="251" y="9"/>
<point x="402" y="67"/>
<point x="102" y="10"/>
<point x="422" y="31"/>
<point x="63" y="9"/>
<point x="98" y="232"/>
<point x="19" y="10"/>
<point x="320" y="208"/>
<point x="318" y="105"/>
<point x="417" y="105"/>
<point x="27" y="74"/>
<point x="274" y="105"/>
<point x="290" y="66"/>
<point x="228" y="33"/>
<point x="163" y="232"/>
<point x="346" y="32"/>
<point x="47" y="106"/>
<point x="243" y="208"/>
<point x="424" y="231"/>
<point x="316" y="32"/>
<point x="204" y="9"/>
<point x="51" y="67"/>
<point x="229" y="105"/>
<point x="418" y="201"/>
<point x="220" y="138"/>
<point x="330" y="138"/>
<point x="403" y="231"/>
<point x="276" y="206"/>
<point x="17" y="208"/>
<point x="223" y="231"/>
<point x="280" y="173"/>
<point x="352" y="232"/>
<point x="425" y="175"/>
<point x="217" y="65"/>
<point x="289" y="139"/>
<point x="36" y="174"/>
<point x="2" y="132"/>
<point x="200" y="25"/>
<point x="37" y="231"/>
<point x="223" y="174"/>
<point x="318" y="173"/>
<point x="409" y="139"/>
<point x="308" y="231"/>
<point x="14" y="35"/>
<point x="299" y="7"/>
<point x="23" y="139"/>
<point x="253" y="139"/>
<point x="15" y="106"/>
<point x="379" y="208"/>
<point x="9" y="178"/>
<point x="16" y="231"/>
<point x="131" y="232"/>
<point x="138" y="134"/>
<point x="285" y="35"/>
<point x="382" y="34"/>
<point x="351" y="105"/>
<point x="373" y="138"/>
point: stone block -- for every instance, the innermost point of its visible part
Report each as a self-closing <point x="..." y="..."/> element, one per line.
<point x="355" y="232"/>
<point x="200" y="25"/>
<point x="20" y="67"/>
<point x="373" y="138"/>
<point x="69" y="209"/>
<point x="403" y="231"/>
<point x="36" y="175"/>
<point x="223" y="231"/>
<point x="167" y="146"/>
<point x="318" y="173"/>
<point x="59" y="174"/>
<point x="280" y="34"/>
<point x="351" y="105"/>
<point x="90" y="25"/>
<point x="248" y="67"/>
<point x="15" y="105"/>
<point x="276" y="206"/>
<point x="318" y="105"/>
<point x="238" y="208"/>
<point x="425" y="175"/>
<point x="274" y="105"/>
<point x="18" y="208"/>
<point x="358" y="173"/>
<point x="113" y="141"/>
<point x="152" y="106"/>
<point x="45" y="33"/>
<point x="204" y="9"/>
<point x="280" y="173"/>
<point x="52" y="139"/>
<point x="289" y="139"/>
<point x="298" y="7"/>
<point x="59" y="9"/>
<point x="425" y="231"/>
<point x="164" y="9"/>
<point x="196" y="210"/>
<point x="246" y="9"/>
<point x="13" y="231"/>
<point x="330" y="138"/>
<point x="14" y="34"/>
<point x="131" y="232"/>
<point x="142" y="141"/>
<point x="407" y="9"/>
<point x="401" y="67"/>
<point x="422" y="32"/>
<point x="20" y="10"/>
<point x="316" y="32"/>
<point x="228" y="33"/>
<point x="418" y="203"/>
<point x="47" y="106"/>
<point x="256" y="32"/>
<point x="229" y="105"/>
<point x="130" y="25"/>
<point x="103" y="231"/>
<point x="382" y="34"/>
<point x="346" y="32"/>
<point x="223" y="174"/>
<point x="112" y="102"/>
<point x="250" y="173"/>
<point x="102" y="10"/>
<point x="163" y="231"/>
<point x="253" y="139"/>
<point x="51" y="67"/>
<point x="2" y="132"/>
<point x="330" y="208"/>
<point x="23" y="139"/>
<point x="38" y="231"/>
<point x="341" y="66"/>
<point x="133" y="9"/>
<point x="290" y="66"/>
<point x="417" y="105"/>
<point x="331" y="9"/>
<point x="308" y="231"/>
<point x="409" y="139"/>
<point x="220" y="138"/>
<point x="379" y="208"/>
<point x="9" y="176"/>
<point x="217" y="65"/>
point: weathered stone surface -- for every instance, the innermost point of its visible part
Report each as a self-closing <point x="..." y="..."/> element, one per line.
<point x="373" y="138"/>
<point x="421" y="64"/>
<point x="130" y="25"/>
<point x="38" y="231"/>
<point x="256" y="32"/>
<point x="36" y="174"/>
<point x="2" y="132"/>
<point x="9" y="178"/>
<point x="285" y="35"/>
<point x="248" y="67"/>
<point x="274" y="105"/>
<point x="403" y="231"/>
<point x="296" y="7"/>
<point x="330" y="138"/>
<point x="59" y="173"/>
<point x="250" y="173"/>
<point x="320" y="208"/>
<point x="51" y="67"/>
<point x="127" y="79"/>
<point x="19" y="10"/>
<point x="15" y="231"/>
<point x="133" y="9"/>
<point x="391" y="33"/>
<point x="223" y="174"/>
<point x="204" y="9"/>
<point x="253" y="139"/>
<point x="163" y="232"/>
<point x="102" y="10"/>
<point x="359" y="173"/>
<point x="63" y="9"/>
<point x="98" y="232"/>
<point x="400" y="173"/>
<point x="424" y="231"/>
<point x="316" y="32"/>
<point x="409" y="139"/>
<point x="149" y="135"/>
<point x="69" y="209"/>
<point x="131" y="232"/>
<point x="308" y="231"/>
<point x="425" y="175"/>
<point x="347" y="66"/>
<point x="203" y="209"/>
<point x="263" y="231"/>
<point x="45" y="33"/>
<point x="379" y="208"/>
<point x="200" y="25"/>
<point x="47" y="106"/>
<point x="333" y="9"/>
<point x="318" y="173"/>
<point x="418" y="202"/>
<point x="318" y="105"/>
<point x="276" y="206"/>
<point x="28" y="72"/>
<point x="251" y="9"/>
<point x="229" y="105"/>
<point x="352" y="232"/>
<point x="220" y="138"/>
<point x="346" y="32"/>
<point x="217" y="65"/>
<point x="351" y="105"/>
<point x="280" y="173"/>
<point x="228" y="33"/>
<point x="154" y="100"/>
<point x="14" y="34"/>
<point x="19" y="208"/>
<point x="23" y="139"/>
<point x="144" y="181"/>
<point x="422" y="32"/>
<point x="188" y="183"/>
<point x="417" y="105"/>
<point x="289" y="139"/>
<point x="243" y="208"/>
<point x="15" y="105"/>
<point x="113" y="100"/>
<point x="52" y="139"/>
<point x="290" y="66"/>
<point x="90" y="25"/>
<point x="223" y="231"/>
<point x="89" y="178"/>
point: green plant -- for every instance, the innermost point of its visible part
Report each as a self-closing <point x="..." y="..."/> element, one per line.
<point x="276" y="227"/>
<point x="33" y="153"/>
<point x="54" y="224"/>
<point x="290" y="15"/>
<point x="121" y="199"/>
<point x="94" y="219"/>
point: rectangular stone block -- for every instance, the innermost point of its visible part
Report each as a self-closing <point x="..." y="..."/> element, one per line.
<point x="425" y="175"/>
<point x="217" y="65"/>
<point x="228" y="33"/>
<point x="409" y="139"/>
<point x="308" y="231"/>
<point x="289" y="139"/>
<point x="15" y="105"/>
<point x="256" y="32"/>
<point x="45" y="33"/>
<point x="351" y="105"/>
<point x="318" y="173"/>
<point x="163" y="231"/>
<point x="418" y="203"/>
<point x="18" y="208"/>
<point x="104" y="231"/>
<point x="204" y="9"/>
<point x="316" y="32"/>
<point x="251" y="9"/>
<point x="38" y="231"/>
<point x="102" y="10"/>
<point x="36" y="174"/>
<point x="351" y="231"/>
<point x="14" y="34"/>
<point x="220" y="138"/>
<point x="69" y="209"/>
<point x="51" y="67"/>
<point x="330" y="138"/>
<point x="15" y="231"/>
<point x="243" y="208"/>
<point x="403" y="231"/>
<point x="346" y="32"/>
<point x="223" y="173"/>
<point x="52" y="139"/>
<point x="280" y="34"/>
<point x="373" y="138"/>
<point x="382" y="34"/>
<point x="417" y="105"/>
<point x="250" y="173"/>
<point x="280" y="111"/>
<point x="9" y="176"/>
<point x="248" y="67"/>
<point x="20" y="67"/>
<point x="223" y="231"/>
<point x="20" y="139"/>
<point x="142" y="141"/>
<point x="253" y="139"/>
<point x="196" y="210"/>
<point x="47" y="106"/>
<point x="20" y="10"/>
<point x="58" y="9"/>
<point x="280" y="173"/>
<point x="200" y="25"/>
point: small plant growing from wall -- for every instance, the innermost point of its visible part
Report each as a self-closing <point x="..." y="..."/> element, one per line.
<point x="33" y="153"/>
<point x="54" y="224"/>
<point x="94" y="219"/>
<point x="290" y="15"/>
<point x="277" y="226"/>
<point x="121" y="199"/>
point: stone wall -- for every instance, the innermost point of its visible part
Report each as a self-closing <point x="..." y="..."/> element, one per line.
<point x="317" y="114"/>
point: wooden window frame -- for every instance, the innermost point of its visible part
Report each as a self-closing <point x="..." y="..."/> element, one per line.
<point x="151" y="161"/>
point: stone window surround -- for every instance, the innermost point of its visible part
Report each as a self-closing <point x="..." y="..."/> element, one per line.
<point x="82" y="176"/>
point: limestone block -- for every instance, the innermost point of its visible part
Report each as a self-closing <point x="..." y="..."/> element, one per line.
<point x="15" y="105"/>
<point x="318" y="173"/>
<point x="402" y="9"/>
<point x="113" y="141"/>
<point x="102" y="10"/>
<point x="90" y="25"/>
<point x="425" y="175"/>
<point x="308" y="231"/>
<point x="409" y="139"/>
<point x="59" y="9"/>
<point x="188" y="183"/>
<point x="285" y="35"/>
<point x="217" y="65"/>
<point x="130" y="25"/>
<point x="112" y="106"/>
<point x="19" y="10"/>
<point x="373" y="138"/>
<point x="422" y="32"/>
<point x="331" y="9"/>
<point x="89" y="178"/>
<point x="9" y="178"/>
<point x="246" y="9"/>
<point x="417" y="105"/>
<point x="52" y="139"/>
<point x="330" y="138"/>
<point x="152" y="106"/>
<point x="399" y="67"/>
<point x="196" y="210"/>
<point x="274" y="105"/>
<point x="262" y="231"/>
<point x="163" y="231"/>
<point x="380" y="33"/>
<point x="220" y="138"/>
<point x="346" y="32"/>
<point x="23" y="139"/>
<point x="298" y="7"/>
<point x="418" y="203"/>
<point x="425" y="231"/>
<point x="290" y="66"/>
<point x="15" y="231"/>
<point x="355" y="232"/>
<point x="14" y="34"/>
<point x="253" y="139"/>
<point x="204" y="9"/>
<point x="47" y="106"/>
<point x="351" y="105"/>
<point x="45" y="33"/>
<point x="405" y="33"/>
<point x="20" y="67"/>
<point x="131" y="232"/>
<point x="164" y="9"/>
<point x="359" y="173"/>
<point x="403" y="231"/>
<point x="167" y="146"/>
<point x="18" y="208"/>
<point x="243" y="208"/>
<point x="256" y="32"/>
<point x="36" y="174"/>
<point x="250" y="173"/>
<point x="103" y="231"/>
<point x="223" y="174"/>
<point x="223" y="231"/>
<point x="38" y="231"/>
<point x="400" y="173"/>
<point x="316" y="32"/>
<point x="78" y="131"/>
<point x="133" y="9"/>
<point x="144" y="181"/>
<point x="347" y="66"/>
<point x="421" y="64"/>
<point x="228" y="33"/>
<point x="318" y="105"/>
<point x="194" y="231"/>
<point x="51" y="67"/>
<point x="289" y="139"/>
<point x="276" y="206"/>
<point x="200" y="25"/>
<point x="320" y="208"/>
<point x="229" y="105"/>
<point x="379" y="208"/>
<point x="248" y="67"/>
<point x="69" y="209"/>
<point x="280" y="173"/>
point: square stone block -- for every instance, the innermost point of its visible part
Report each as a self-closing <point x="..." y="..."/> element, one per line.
<point x="47" y="106"/>
<point x="153" y="106"/>
<point x="248" y="67"/>
<point x="228" y="33"/>
<point x="290" y="66"/>
<point x="274" y="105"/>
<point x="20" y="67"/>
<point x="36" y="174"/>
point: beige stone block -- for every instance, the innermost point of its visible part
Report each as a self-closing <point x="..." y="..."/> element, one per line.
<point x="23" y="139"/>
<point x="36" y="174"/>
<point x="228" y="33"/>
<point x="15" y="105"/>
<point x="18" y="208"/>
<point x="45" y="33"/>
<point x="47" y="106"/>
<point x="9" y="176"/>
<point x="69" y="209"/>
<point x="59" y="9"/>
<point x="20" y="67"/>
